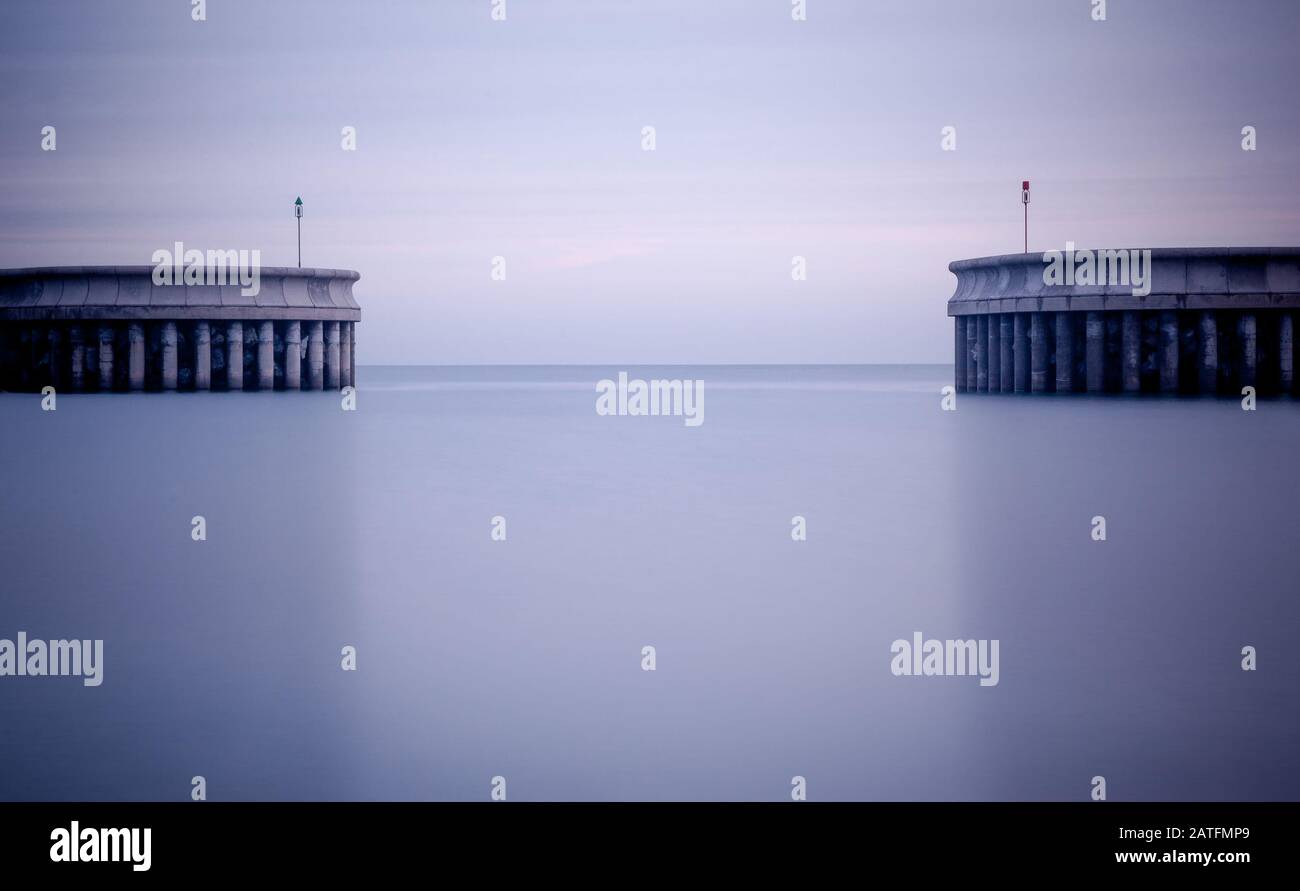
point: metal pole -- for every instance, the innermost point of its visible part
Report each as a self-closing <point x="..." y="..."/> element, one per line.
<point x="300" y="240"/>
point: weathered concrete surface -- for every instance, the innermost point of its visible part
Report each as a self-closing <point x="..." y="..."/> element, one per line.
<point x="315" y="356"/>
<point x="170" y="359"/>
<point x="1037" y="353"/>
<point x="1207" y="353"/>
<point x="234" y="355"/>
<point x="1021" y="338"/>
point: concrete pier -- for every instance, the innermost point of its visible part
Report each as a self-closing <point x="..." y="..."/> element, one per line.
<point x="235" y="356"/>
<point x="1020" y="336"/>
<point x="332" y="356"/>
<point x="315" y="356"/>
<point x="266" y="355"/>
<point x="1095" y="361"/>
<point x="1006" y="340"/>
<point x="1131" y="353"/>
<point x="1286" y="353"/>
<point x="105" y="358"/>
<point x="959" y="355"/>
<point x="1193" y="326"/>
<point x="111" y="328"/>
<point x="292" y="356"/>
<point x="1037" y="353"/>
<point x="1207" y="353"/>
<point x="994" y="354"/>
<point x="202" y="356"/>
<point x="1064" y="352"/>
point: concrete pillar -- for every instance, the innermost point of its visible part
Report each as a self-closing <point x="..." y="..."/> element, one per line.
<point x="972" y="367"/>
<point x="55" y="338"/>
<point x="1168" y="351"/>
<point x="959" y="353"/>
<point x="1037" y="353"/>
<point x="1247" y="344"/>
<point x="982" y="353"/>
<point x="332" y="355"/>
<point x="235" y="356"/>
<point x="170" y="358"/>
<point x="106" y="357"/>
<point x="1285" y="353"/>
<point x="266" y="356"/>
<point x="1131" y="352"/>
<point x="292" y="356"/>
<point x="1006" y="365"/>
<point x="135" y="355"/>
<point x="202" y="356"/>
<point x="1207" y="354"/>
<point x="1064" y="352"/>
<point x="1096" y="357"/>
<point x="315" y="356"/>
<point x="352" y="352"/>
<point x="1020" y="351"/>
<point x="345" y="353"/>
<point x="77" y="363"/>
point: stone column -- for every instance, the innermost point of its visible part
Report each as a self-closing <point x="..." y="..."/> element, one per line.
<point x="1037" y="353"/>
<point x="972" y="366"/>
<point x="77" y="365"/>
<point x="169" y="357"/>
<point x="345" y="353"/>
<point x="332" y="350"/>
<point x="982" y="353"/>
<point x="106" y="357"/>
<point x="55" y="338"/>
<point x="235" y="356"/>
<point x="135" y="355"/>
<point x="1131" y="352"/>
<point x="1168" y="351"/>
<point x="202" y="356"/>
<point x="1064" y="352"/>
<point x="352" y="352"/>
<point x="959" y="353"/>
<point x="292" y="356"/>
<point x="315" y="356"/>
<point x="266" y="356"/>
<point x="1020" y="351"/>
<point x="1285" y="353"/>
<point x="1207" y="354"/>
<point x="1096" y="357"/>
<point x="1006" y="364"/>
<point x="1248" y="346"/>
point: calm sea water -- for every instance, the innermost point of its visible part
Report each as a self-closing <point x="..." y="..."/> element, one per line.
<point x="522" y="658"/>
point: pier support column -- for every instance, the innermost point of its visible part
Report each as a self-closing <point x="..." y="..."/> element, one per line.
<point x="1020" y="338"/>
<point x="345" y="354"/>
<point x="105" y="357"/>
<point x="1006" y="365"/>
<point x="235" y="356"/>
<point x="135" y="356"/>
<point x="170" y="358"/>
<point x="1168" y="351"/>
<point x="1131" y="352"/>
<point x="1207" y="354"/>
<point x="1064" y="352"/>
<point x="266" y="356"/>
<point x="972" y="367"/>
<point x="1095" y="361"/>
<point x="77" y="365"/>
<point x="982" y="353"/>
<point x="315" y="356"/>
<point x="1037" y="353"/>
<point x="1248" y="347"/>
<point x="55" y="339"/>
<point x="1285" y="353"/>
<point x="292" y="356"/>
<point x="959" y="353"/>
<point x="202" y="356"/>
<point x="352" y="351"/>
<point x="332" y="352"/>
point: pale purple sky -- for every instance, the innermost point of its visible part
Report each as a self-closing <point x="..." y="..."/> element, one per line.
<point x="522" y="139"/>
